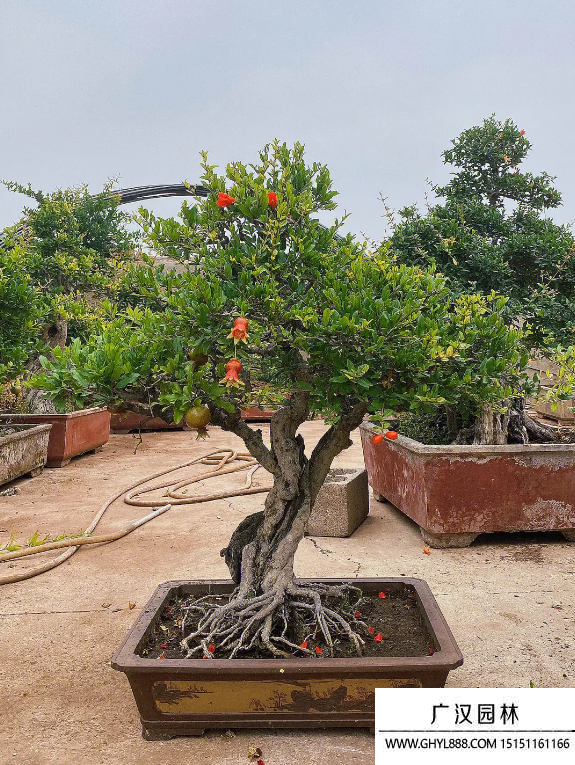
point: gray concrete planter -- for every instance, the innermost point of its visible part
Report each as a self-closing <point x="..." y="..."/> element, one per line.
<point x="455" y="493"/>
<point x="24" y="451"/>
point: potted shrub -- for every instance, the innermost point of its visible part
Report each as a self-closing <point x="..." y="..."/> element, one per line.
<point x="67" y="252"/>
<point x="484" y="468"/>
<point x="327" y="327"/>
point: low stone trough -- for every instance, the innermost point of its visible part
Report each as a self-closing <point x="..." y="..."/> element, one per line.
<point x="22" y="451"/>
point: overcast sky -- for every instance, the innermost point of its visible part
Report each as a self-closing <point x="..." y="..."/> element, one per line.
<point x="376" y="90"/>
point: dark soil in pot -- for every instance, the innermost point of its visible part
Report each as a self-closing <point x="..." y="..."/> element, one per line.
<point x="389" y="622"/>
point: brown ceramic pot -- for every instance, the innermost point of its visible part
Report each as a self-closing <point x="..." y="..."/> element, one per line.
<point x="177" y="697"/>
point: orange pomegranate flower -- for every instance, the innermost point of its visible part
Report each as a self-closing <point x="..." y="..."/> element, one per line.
<point x="225" y="200"/>
<point x="521" y="132"/>
<point x="391" y="434"/>
<point x="240" y="330"/>
<point x="272" y="199"/>
<point x="377" y="439"/>
<point x="233" y="368"/>
<point x="506" y="160"/>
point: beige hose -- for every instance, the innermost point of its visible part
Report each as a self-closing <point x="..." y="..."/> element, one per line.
<point x="175" y="495"/>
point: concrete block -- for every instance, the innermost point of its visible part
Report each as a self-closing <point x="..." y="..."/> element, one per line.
<point x="341" y="505"/>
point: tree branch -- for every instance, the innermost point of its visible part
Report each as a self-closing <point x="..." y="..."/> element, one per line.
<point x="253" y="439"/>
<point x="331" y="444"/>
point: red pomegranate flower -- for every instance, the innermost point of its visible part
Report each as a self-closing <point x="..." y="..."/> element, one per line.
<point x="304" y="644"/>
<point x="211" y="648"/>
<point x="272" y="199"/>
<point x="318" y="649"/>
<point x="377" y="439"/>
<point x="240" y="330"/>
<point x="225" y="200"/>
<point x="233" y="368"/>
<point x="391" y="434"/>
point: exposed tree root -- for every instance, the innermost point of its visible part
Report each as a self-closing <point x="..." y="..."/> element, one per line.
<point x="323" y="614"/>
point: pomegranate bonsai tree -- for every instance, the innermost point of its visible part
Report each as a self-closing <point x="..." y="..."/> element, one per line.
<point x="273" y="306"/>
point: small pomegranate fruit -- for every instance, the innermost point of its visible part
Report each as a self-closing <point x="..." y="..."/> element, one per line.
<point x="198" y="417"/>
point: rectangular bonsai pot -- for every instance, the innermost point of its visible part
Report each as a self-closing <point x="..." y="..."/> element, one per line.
<point x="456" y="492"/>
<point x="178" y="697"/>
<point x="124" y="422"/>
<point x="72" y="434"/>
<point x="24" y="451"/>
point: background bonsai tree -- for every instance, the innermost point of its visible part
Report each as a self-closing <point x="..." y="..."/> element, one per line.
<point x="66" y="255"/>
<point x="275" y="306"/>
<point x="491" y="234"/>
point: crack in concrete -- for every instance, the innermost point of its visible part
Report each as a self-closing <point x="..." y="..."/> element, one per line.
<point x="330" y="554"/>
<point x="80" y="611"/>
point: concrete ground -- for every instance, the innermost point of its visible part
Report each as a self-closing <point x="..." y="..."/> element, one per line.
<point x="509" y="600"/>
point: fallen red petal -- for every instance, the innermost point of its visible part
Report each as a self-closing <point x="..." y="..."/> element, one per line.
<point x="357" y="614"/>
<point x="162" y="656"/>
<point x="431" y="650"/>
<point x="371" y="630"/>
<point x="378" y="638"/>
<point x="382" y="595"/>
<point x="211" y="648"/>
<point x="164" y="645"/>
<point x="318" y="649"/>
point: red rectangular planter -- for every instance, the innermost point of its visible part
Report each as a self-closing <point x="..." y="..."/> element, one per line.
<point x="124" y="422"/>
<point x="456" y="492"/>
<point x="178" y="697"/>
<point x="72" y="434"/>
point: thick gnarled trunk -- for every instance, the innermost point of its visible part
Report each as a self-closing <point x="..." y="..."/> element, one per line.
<point x="261" y="552"/>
